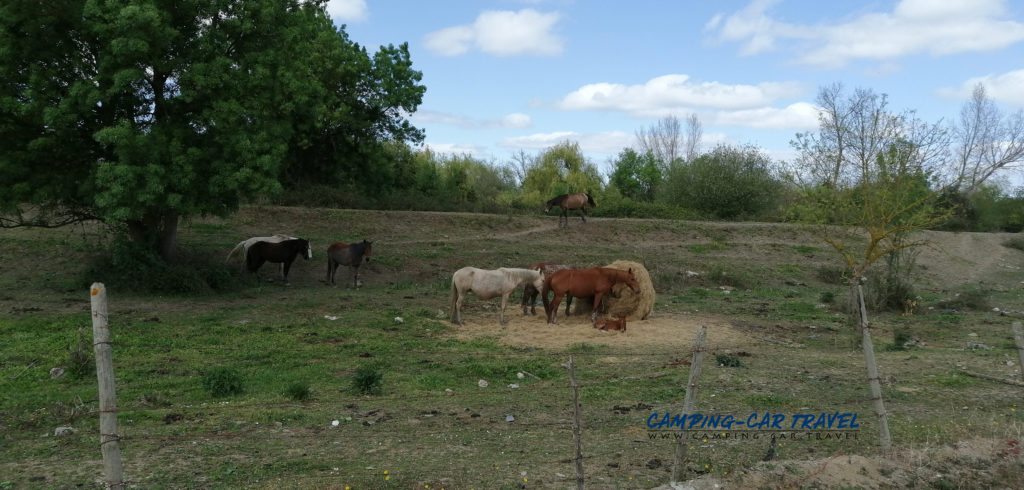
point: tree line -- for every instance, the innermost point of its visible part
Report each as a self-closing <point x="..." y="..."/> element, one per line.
<point x="141" y="113"/>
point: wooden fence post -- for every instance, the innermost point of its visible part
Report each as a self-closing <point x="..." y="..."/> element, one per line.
<point x="576" y="424"/>
<point x="107" y="393"/>
<point x="1018" y="338"/>
<point x="876" y="385"/>
<point x="689" y="401"/>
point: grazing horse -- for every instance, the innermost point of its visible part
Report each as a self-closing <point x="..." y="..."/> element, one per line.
<point x="486" y="284"/>
<point x="281" y="252"/>
<point x="245" y="244"/>
<point x="569" y="202"/>
<point x="350" y="254"/>
<point x="530" y="293"/>
<point x="580" y="283"/>
<point x="611" y="324"/>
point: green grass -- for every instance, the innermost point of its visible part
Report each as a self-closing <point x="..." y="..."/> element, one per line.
<point x="298" y="349"/>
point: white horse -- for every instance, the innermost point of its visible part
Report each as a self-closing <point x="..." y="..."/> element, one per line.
<point x="245" y="244"/>
<point x="486" y="284"/>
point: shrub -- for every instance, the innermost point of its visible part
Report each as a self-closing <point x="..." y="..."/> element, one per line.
<point x="727" y="183"/>
<point x="80" y="361"/>
<point x="299" y="392"/>
<point x="127" y="266"/>
<point x="728" y="361"/>
<point x="223" y="381"/>
<point x="367" y="380"/>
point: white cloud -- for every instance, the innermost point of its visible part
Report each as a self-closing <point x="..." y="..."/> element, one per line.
<point x="1007" y="88"/>
<point x="350" y="10"/>
<point x="500" y="33"/>
<point x="601" y="142"/>
<point x="673" y="93"/>
<point x="456" y="149"/>
<point x="510" y="121"/>
<point x="800" y="115"/>
<point x="912" y="27"/>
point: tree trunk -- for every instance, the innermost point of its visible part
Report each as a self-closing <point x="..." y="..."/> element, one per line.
<point x="158" y="232"/>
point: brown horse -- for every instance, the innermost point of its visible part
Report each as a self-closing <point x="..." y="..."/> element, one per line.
<point x="281" y="252"/>
<point x="569" y="202"/>
<point x="580" y="283"/>
<point x="530" y="293"/>
<point x="611" y="324"/>
<point x="350" y="254"/>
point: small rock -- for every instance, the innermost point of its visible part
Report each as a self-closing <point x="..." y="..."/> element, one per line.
<point x="334" y="423"/>
<point x="482" y="383"/>
<point x="64" y="431"/>
<point x="513" y="386"/>
<point x="57" y="373"/>
<point x="509" y="418"/>
<point x="972" y="334"/>
<point x="520" y="375"/>
<point x="399" y="319"/>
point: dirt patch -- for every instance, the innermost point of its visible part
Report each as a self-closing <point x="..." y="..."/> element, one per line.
<point x="657" y="331"/>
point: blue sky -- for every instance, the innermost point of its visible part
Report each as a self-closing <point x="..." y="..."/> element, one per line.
<point x="510" y="75"/>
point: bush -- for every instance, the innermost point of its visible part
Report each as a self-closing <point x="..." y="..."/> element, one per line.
<point x="367" y="380"/>
<point x="80" y="359"/>
<point x="223" y="381"/>
<point x="727" y="183"/>
<point x="299" y="392"/>
<point x="127" y="266"/>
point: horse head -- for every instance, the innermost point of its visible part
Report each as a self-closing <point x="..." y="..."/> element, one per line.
<point x="539" y="282"/>
<point x="630" y="280"/>
<point x="308" y="254"/>
<point x="367" y="250"/>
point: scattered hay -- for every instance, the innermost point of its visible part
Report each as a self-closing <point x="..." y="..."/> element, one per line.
<point x="622" y="301"/>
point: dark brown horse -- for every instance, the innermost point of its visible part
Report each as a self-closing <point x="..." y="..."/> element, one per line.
<point x="530" y="293"/>
<point x="569" y="202"/>
<point x="580" y="283"/>
<point x="350" y="254"/>
<point x="279" y="253"/>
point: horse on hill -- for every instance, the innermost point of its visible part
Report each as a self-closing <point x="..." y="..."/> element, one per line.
<point x="567" y="202"/>
<point x="581" y="283"/>
<point x="282" y="252"/>
<point x="350" y="254"/>
<point x="486" y="284"/>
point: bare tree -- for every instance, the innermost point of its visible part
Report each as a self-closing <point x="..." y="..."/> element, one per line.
<point x="694" y="134"/>
<point x="987" y="141"/>
<point x="663" y="140"/>
<point x="521" y="164"/>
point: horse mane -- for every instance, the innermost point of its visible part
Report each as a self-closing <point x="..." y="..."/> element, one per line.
<point x="520" y="274"/>
<point x="590" y="199"/>
<point x="557" y="200"/>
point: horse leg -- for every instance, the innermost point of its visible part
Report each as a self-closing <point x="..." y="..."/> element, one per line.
<point x="504" y="301"/>
<point x="458" y="309"/>
<point x="331" y="266"/>
<point x="597" y="306"/>
<point x="287" y="266"/>
<point x="568" y="303"/>
<point x="355" y="277"/>
<point x="553" y="316"/>
<point x="583" y="214"/>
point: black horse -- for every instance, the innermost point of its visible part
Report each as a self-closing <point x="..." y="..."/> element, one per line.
<point x="281" y="252"/>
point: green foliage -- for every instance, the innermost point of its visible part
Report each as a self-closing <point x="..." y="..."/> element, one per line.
<point x="223" y="381"/>
<point x="140" y="113"/>
<point x="129" y="266"/>
<point x="832" y="275"/>
<point x="560" y="169"/>
<point x="726" y="183"/>
<point x="367" y="380"/>
<point x="636" y="175"/>
<point x="988" y="208"/>
<point x="972" y="299"/>
<point x="728" y="360"/>
<point x="80" y="359"/>
<point x="1015" y="242"/>
<point x="299" y="392"/>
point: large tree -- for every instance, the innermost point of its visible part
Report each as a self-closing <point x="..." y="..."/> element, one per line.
<point x="987" y="141"/>
<point x="141" y="112"/>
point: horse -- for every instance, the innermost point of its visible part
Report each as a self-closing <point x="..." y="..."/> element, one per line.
<point x="580" y="283"/>
<point x="569" y="202"/>
<point x="350" y="254"/>
<point x="281" y="252"/>
<point x="486" y="284"/>
<point x="245" y="244"/>
<point x="530" y="293"/>
<point x="611" y="324"/>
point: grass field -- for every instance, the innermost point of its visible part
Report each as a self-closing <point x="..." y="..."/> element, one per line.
<point x="374" y="388"/>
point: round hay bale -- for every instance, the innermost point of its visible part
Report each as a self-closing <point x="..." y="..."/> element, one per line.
<point x="622" y="301"/>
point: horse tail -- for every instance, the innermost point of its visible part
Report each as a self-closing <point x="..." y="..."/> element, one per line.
<point x="590" y="199"/>
<point x="545" y="287"/>
<point x="455" y="297"/>
<point x="232" y="252"/>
